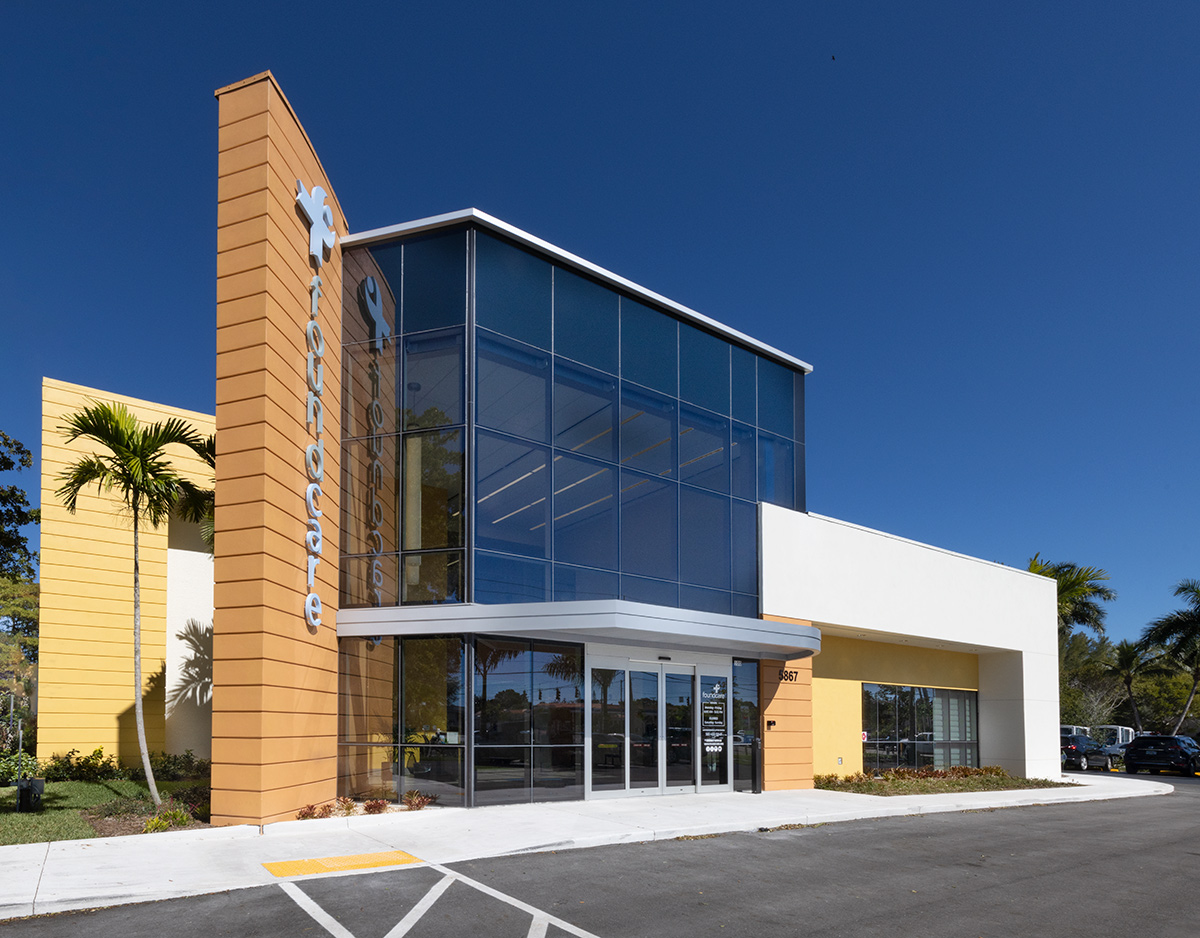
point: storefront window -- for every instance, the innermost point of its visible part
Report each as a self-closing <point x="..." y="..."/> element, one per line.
<point x="918" y="727"/>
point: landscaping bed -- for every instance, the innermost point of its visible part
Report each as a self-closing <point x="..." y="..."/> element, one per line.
<point x="932" y="781"/>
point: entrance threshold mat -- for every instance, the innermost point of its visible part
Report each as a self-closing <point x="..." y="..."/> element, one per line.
<point x="359" y="861"/>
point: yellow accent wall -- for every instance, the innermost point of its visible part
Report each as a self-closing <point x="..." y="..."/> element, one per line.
<point x="839" y="672"/>
<point x="85" y="671"/>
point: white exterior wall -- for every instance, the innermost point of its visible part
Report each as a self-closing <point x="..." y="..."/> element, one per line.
<point x="879" y="587"/>
<point x="189" y="648"/>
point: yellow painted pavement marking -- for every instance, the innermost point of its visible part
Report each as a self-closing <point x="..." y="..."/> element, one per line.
<point x="360" y="861"/>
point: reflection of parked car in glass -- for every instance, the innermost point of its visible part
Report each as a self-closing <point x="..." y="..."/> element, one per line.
<point x="1156" y="753"/>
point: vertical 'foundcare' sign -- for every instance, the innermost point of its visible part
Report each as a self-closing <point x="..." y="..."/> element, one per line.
<point x="321" y="239"/>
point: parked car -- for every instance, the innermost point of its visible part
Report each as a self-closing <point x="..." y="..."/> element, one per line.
<point x="1156" y="753"/>
<point x="1083" y="752"/>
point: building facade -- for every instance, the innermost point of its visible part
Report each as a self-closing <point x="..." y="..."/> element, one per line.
<point x="497" y="524"/>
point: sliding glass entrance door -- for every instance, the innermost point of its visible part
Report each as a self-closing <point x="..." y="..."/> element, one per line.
<point x="656" y="728"/>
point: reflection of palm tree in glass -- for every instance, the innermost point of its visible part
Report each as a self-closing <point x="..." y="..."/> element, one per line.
<point x="489" y="657"/>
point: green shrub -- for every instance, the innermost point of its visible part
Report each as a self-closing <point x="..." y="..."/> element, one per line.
<point x="30" y="767"/>
<point x="156" y="825"/>
<point x="123" y="806"/>
<point x="197" y="798"/>
<point x="73" y="768"/>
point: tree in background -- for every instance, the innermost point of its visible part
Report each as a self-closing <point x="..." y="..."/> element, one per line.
<point x="1080" y="592"/>
<point x="1178" y="633"/>
<point x="1131" y="661"/>
<point x="134" y="464"/>
<point x="16" y="559"/>
<point x="197" y="504"/>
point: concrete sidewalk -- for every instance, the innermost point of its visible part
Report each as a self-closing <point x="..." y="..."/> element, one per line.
<point x="82" y="874"/>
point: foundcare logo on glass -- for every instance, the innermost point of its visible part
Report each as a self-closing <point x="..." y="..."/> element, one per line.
<point x="370" y="303"/>
<point x="321" y="238"/>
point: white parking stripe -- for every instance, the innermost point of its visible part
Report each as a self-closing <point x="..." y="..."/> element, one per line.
<point x="517" y="903"/>
<point x="538" y="928"/>
<point x="318" y="915"/>
<point x="414" y="915"/>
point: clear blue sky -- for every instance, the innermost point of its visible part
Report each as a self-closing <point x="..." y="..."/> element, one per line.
<point x="981" y="224"/>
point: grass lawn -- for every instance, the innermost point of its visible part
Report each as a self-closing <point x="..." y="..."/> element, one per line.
<point x="60" y="817"/>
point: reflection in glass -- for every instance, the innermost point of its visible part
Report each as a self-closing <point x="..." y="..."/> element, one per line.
<point x="431" y="578"/>
<point x="366" y="772"/>
<point x="433" y="710"/>
<point x="680" y="728"/>
<point x="703" y="369"/>
<point x="557" y="773"/>
<point x="745" y="725"/>
<point x="512" y="291"/>
<point x="918" y="726"/>
<point x="435" y="281"/>
<point x="643" y="729"/>
<point x="512" y="490"/>
<point x="648" y="431"/>
<point x="369" y="580"/>
<point x="367" y="690"/>
<point x="502" y="775"/>
<point x="703" y="449"/>
<point x="640" y="589"/>
<point x="370" y="393"/>
<point x="776" y="397"/>
<point x="776" y="470"/>
<point x="585" y="512"/>
<point x="608" y="729"/>
<point x="502" y="678"/>
<point x="649" y="526"/>
<point x="433" y="490"/>
<point x="703" y="600"/>
<point x="585" y="411"/>
<point x="744" y="462"/>
<point x="434" y="770"/>
<point x="370" y="492"/>
<point x="578" y="583"/>
<point x="557" y="694"/>
<point x="744" y="547"/>
<point x="585" y="321"/>
<point x="703" y="538"/>
<point x="513" y="388"/>
<point x="744" y="384"/>
<point x="649" y="347"/>
<point x="502" y="578"/>
<point x="433" y="380"/>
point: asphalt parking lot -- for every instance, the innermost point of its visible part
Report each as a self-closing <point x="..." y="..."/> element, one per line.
<point x="1091" y="868"/>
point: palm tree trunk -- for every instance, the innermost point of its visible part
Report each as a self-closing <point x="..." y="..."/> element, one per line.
<point x="1137" y="719"/>
<point x="137" y="666"/>
<point x="1187" y="706"/>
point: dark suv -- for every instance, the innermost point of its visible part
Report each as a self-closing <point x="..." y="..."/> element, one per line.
<point x="1077" y="749"/>
<point x="1156" y="753"/>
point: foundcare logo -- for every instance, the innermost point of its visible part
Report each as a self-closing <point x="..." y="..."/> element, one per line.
<point x="321" y="238"/>
<point x="370" y="303"/>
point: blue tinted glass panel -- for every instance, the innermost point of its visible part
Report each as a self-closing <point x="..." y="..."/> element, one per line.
<point x="503" y="579"/>
<point x="703" y="369"/>
<point x="638" y="589"/>
<point x="513" y="387"/>
<point x="776" y="470"/>
<point x="744" y="606"/>
<point x="745" y="547"/>
<point x="512" y="291"/>
<point x="798" y="430"/>
<point x="512" y="493"/>
<point x="585" y="512"/>
<point x="744" y="384"/>
<point x="433" y="380"/>
<point x="576" y="583"/>
<point x="431" y="494"/>
<point x="649" y="526"/>
<point x="801" y="494"/>
<point x="649" y="347"/>
<point x="585" y="411"/>
<point x="702" y="600"/>
<point x="647" y="431"/>
<point x="703" y="449"/>
<point x="503" y="671"/>
<point x="744" y="462"/>
<point x="370" y="390"/>
<point x="703" y="538"/>
<point x="389" y="265"/>
<point x="776" y="398"/>
<point x="435" y="282"/>
<point x="586" y="318"/>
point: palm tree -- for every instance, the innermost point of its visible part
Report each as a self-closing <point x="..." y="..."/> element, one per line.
<point x="136" y="466"/>
<point x="1179" y="633"/>
<point x="1130" y="661"/>
<point x="1080" y="592"/>
<point x="198" y="504"/>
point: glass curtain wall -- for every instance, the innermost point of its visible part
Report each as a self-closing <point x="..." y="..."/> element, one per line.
<point x="918" y="727"/>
